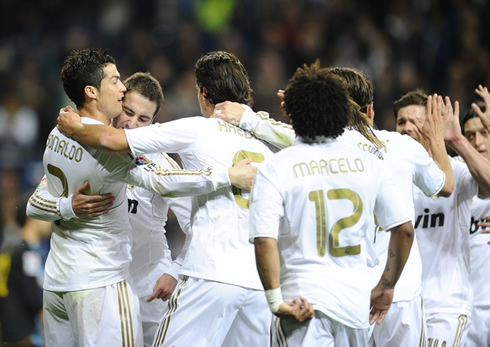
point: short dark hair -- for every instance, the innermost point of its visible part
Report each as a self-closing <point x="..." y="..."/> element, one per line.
<point x="84" y="68"/>
<point x="472" y="114"/>
<point x="224" y="77"/>
<point x="147" y="85"/>
<point x="414" y="97"/>
<point x="317" y="102"/>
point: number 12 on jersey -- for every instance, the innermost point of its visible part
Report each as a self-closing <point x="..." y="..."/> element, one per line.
<point x="318" y="198"/>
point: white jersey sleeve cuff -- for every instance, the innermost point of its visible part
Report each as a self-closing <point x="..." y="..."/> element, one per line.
<point x="174" y="270"/>
<point x="222" y="178"/>
<point x="246" y="122"/>
<point x="66" y="209"/>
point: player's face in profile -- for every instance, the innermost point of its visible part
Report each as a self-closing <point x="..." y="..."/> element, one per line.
<point x="478" y="136"/>
<point x="111" y="92"/>
<point x="410" y="119"/>
<point x="137" y="112"/>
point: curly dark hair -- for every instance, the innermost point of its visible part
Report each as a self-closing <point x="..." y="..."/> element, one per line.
<point x="224" y="77"/>
<point x="84" y="68"/>
<point x="414" y="97"/>
<point x="147" y="85"/>
<point x="317" y="102"/>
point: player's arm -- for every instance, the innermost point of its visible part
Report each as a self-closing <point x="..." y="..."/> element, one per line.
<point x="434" y="129"/>
<point x="399" y="248"/>
<point x="267" y="259"/>
<point x="266" y="210"/>
<point x="44" y="206"/>
<point x="105" y="137"/>
<point x="181" y="207"/>
<point x="276" y="133"/>
<point x="392" y="215"/>
<point x="478" y="165"/>
<point x="165" y="285"/>
<point x="173" y="182"/>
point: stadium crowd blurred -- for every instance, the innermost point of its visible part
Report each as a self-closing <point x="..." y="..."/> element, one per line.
<point x="439" y="45"/>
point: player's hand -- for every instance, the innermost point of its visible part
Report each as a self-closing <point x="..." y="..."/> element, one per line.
<point x="484" y="116"/>
<point x="230" y="112"/>
<point x="68" y="121"/>
<point x="163" y="289"/>
<point x="242" y="174"/>
<point x="86" y="206"/>
<point x="298" y="310"/>
<point x="485" y="224"/>
<point x="453" y="128"/>
<point x="381" y="299"/>
<point x="434" y="127"/>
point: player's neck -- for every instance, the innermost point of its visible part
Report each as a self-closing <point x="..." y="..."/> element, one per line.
<point x="94" y="113"/>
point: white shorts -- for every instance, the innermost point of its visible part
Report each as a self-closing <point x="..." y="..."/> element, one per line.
<point x="106" y="316"/>
<point x="208" y="313"/>
<point x="404" y="325"/>
<point x="321" y="330"/>
<point x="448" y="329"/>
<point x="479" y="332"/>
<point x="151" y="316"/>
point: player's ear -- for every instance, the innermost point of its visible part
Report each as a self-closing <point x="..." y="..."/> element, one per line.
<point x="204" y="92"/>
<point x="90" y="92"/>
<point x="370" y="111"/>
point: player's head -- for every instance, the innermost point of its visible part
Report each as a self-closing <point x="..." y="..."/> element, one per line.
<point x="220" y="76"/>
<point x="360" y="88"/>
<point x="84" y="72"/>
<point x="317" y="102"/>
<point x="141" y="103"/>
<point x="475" y="132"/>
<point x="409" y="112"/>
<point x="361" y="94"/>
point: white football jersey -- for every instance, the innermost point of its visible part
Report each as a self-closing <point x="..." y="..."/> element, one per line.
<point x="94" y="252"/>
<point x="441" y="226"/>
<point x="318" y="200"/>
<point x="151" y="256"/>
<point x="148" y="215"/>
<point x="219" y="249"/>
<point x="479" y="252"/>
<point x="408" y="161"/>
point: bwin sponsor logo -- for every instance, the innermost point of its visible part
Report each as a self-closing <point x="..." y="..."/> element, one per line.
<point x="474" y="227"/>
<point x="429" y="220"/>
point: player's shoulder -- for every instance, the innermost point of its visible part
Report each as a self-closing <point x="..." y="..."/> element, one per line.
<point x="181" y="122"/>
<point x="393" y="136"/>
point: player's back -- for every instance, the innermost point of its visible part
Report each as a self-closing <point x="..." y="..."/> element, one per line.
<point x="220" y="249"/>
<point x="330" y="193"/>
<point x="90" y="252"/>
<point x="409" y="164"/>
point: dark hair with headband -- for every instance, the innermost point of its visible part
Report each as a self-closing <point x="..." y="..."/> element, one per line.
<point x="361" y="93"/>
